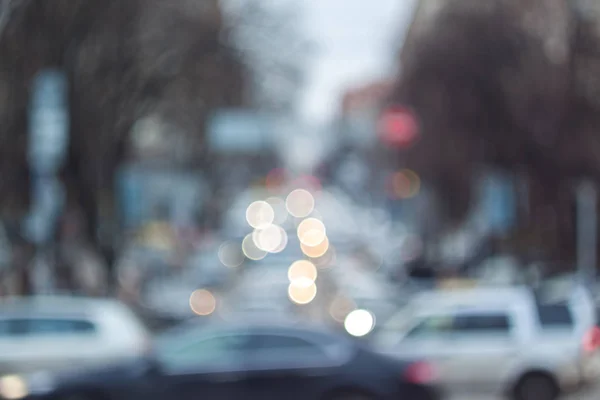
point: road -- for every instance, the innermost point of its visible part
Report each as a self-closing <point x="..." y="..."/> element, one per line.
<point x="588" y="395"/>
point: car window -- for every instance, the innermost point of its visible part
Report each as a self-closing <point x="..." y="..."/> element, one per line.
<point x="278" y="351"/>
<point x="432" y="326"/>
<point x="482" y="323"/>
<point x="216" y="350"/>
<point x="440" y="326"/>
<point x="555" y="316"/>
<point x="41" y="326"/>
<point x="45" y="326"/>
<point x="285" y="344"/>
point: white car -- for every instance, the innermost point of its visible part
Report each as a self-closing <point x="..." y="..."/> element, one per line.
<point x="499" y="340"/>
<point x="38" y="333"/>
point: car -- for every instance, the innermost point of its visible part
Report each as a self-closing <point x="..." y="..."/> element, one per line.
<point x="258" y="360"/>
<point x="260" y="307"/>
<point x="44" y="332"/>
<point x="501" y="340"/>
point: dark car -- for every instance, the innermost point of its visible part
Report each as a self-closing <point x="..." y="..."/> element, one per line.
<point x="259" y="361"/>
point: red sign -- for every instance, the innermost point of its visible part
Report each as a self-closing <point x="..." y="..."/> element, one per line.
<point x="398" y="127"/>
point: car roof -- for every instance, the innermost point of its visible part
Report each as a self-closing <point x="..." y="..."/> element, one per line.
<point x="254" y="325"/>
<point x="55" y="305"/>
<point x="485" y="297"/>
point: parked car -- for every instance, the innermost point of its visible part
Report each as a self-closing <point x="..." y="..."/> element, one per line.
<point x="51" y="332"/>
<point x="500" y="340"/>
<point x="241" y="361"/>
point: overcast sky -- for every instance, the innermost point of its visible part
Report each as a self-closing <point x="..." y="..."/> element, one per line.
<point x="356" y="41"/>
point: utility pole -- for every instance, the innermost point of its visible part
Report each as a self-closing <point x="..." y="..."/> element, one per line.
<point x="587" y="220"/>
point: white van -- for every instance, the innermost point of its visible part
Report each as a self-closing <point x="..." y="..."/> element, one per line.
<point x="499" y="340"/>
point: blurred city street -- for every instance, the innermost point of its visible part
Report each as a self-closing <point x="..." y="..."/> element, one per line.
<point x="331" y="200"/>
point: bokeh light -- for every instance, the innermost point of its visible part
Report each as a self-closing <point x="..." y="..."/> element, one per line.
<point x="231" y="254"/>
<point x="398" y="127"/>
<point x="279" y="209"/>
<point x="359" y="323"/>
<point x="268" y="239"/>
<point x="311" y="232"/>
<point x="13" y="387"/>
<point x="302" y="291"/>
<point x="283" y="242"/>
<point x="301" y="270"/>
<point x="300" y="203"/>
<point x="203" y="302"/>
<point x="315" y="251"/>
<point x="251" y="250"/>
<point x="260" y="214"/>
<point x="405" y="184"/>
<point x="340" y="308"/>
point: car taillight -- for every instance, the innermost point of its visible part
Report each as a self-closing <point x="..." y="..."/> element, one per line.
<point x="420" y="373"/>
<point x="591" y="340"/>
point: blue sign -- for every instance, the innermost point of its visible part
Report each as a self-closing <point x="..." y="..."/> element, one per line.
<point x="48" y="121"/>
<point x="238" y="131"/>
<point x="498" y="202"/>
<point x="48" y="141"/>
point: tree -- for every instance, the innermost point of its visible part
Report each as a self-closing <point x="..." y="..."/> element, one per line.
<point x="271" y="43"/>
<point x="125" y="60"/>
<point x="507" y="84"/>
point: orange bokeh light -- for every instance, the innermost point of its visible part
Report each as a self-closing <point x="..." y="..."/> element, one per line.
<point x="404" y="184"/>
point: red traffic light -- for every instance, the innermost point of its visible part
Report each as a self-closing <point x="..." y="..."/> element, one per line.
<point x="398" y="127"/>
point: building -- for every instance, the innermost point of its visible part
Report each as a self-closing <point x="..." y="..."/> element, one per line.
<point x="355" y="161"/>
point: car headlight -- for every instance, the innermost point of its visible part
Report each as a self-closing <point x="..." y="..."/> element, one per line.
<point x="13" y="387"/>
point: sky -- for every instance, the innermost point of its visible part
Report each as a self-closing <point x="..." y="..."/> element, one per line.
<point x="356" y="42"/>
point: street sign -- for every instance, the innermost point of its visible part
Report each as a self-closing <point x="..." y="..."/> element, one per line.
<point x="498" y="202"/>
<point x="239" y="131"/>
<point x="48" y="122"/>
<point x="48" y="142"/>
